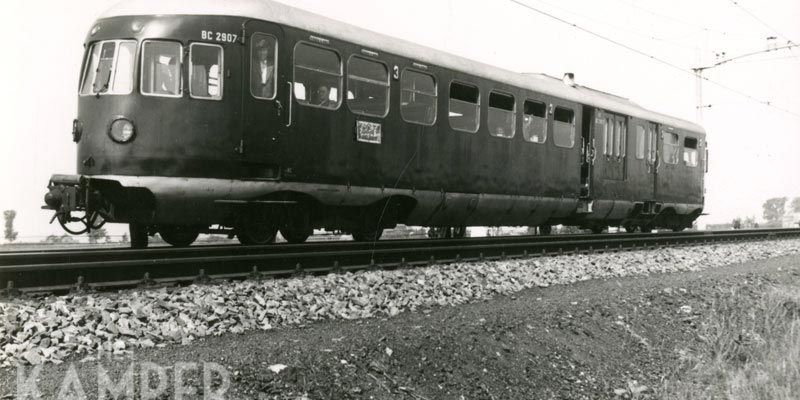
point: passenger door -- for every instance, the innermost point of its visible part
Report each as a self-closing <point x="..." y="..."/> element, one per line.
<point x="652" y="159"/>
<point x="611" y="134"/>
<point x="267" y="107"/>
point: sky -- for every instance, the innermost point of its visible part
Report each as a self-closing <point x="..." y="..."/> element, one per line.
<point x="753" y="147"/>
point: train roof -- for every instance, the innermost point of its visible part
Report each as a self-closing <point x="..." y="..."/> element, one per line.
<point x="269" y="10"/>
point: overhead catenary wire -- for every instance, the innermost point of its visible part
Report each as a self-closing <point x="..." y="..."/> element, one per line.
<point x="768" y="26"/>
<point x="654" y="58"/>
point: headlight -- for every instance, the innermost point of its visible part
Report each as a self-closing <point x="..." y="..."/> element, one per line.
<point x="122" y="130"/>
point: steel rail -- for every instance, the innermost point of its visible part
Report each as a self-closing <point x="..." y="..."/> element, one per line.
<point x="46" y="272"/>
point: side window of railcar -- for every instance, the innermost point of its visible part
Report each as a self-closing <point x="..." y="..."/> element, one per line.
<point x="263" y="68"/>
<point x="564" y="127"/>
<point x="640" y="142"/>
<point x="317" y="76"/>
<point x="205" y="71"/>
<point x="367" y="87"/>
<point x="465" y="107"/>
<point x="672" y="148"/>
<point x="502" y="118"/>
<point x="161" y="68"/>
<point x="534" y="122"/>
<point x="690" y="153"/>
<point x="109" y="68"/>
<point x="418" y="97"/>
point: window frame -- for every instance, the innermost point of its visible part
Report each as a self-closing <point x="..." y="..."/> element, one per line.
<point x="546" y="121"/>
<point x="435" y="96"/>
<point x="478" y="105"/>
<point x="388" y="86"/>
<point x="113" y="75"/>
<point x="180" y="69"/>
<point x="221" y="71"/>
<point x="513" y="112"/>
<point x="573" y="124"/>
<point x="306" y="103"/>
<point x="250" y="61"/>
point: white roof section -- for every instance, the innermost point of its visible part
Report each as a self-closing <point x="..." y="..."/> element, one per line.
<point x="269" y="10"/>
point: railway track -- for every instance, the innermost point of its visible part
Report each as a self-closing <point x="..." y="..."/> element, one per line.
<point x="62" y="271"/>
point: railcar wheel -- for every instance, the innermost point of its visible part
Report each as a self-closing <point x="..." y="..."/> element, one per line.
<point x="368" y="235"/>
<point x="679" y="229"/>
<point x="297" y="227"/>
<point x="630" y="229"/>
<point x="138" y="233"/>
<point x="646" y="229"/>
<point x="256" y="235"/>
<point x="598" y="229"/>
<point x="256" y="227"/>
<point x="178" y="235"/>
<point x="459" y="232"/>
<point x="545" y="230"/>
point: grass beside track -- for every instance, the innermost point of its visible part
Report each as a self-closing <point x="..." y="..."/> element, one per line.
<point x="748" y="350"/>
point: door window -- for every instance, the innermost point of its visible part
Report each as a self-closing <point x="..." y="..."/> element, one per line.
<point x="263" y="66"/>
<point x="672" y="148"/>
<point x="652" y="145"/>
<point x="640" y="142"/>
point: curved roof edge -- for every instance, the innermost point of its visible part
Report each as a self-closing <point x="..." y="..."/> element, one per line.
<point x="269" y="10"/>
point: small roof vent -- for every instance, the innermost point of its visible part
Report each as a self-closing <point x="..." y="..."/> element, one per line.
<point x="569" y="79"/>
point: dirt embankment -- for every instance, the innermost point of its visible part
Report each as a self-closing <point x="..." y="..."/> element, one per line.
<point x="623" y="337"/>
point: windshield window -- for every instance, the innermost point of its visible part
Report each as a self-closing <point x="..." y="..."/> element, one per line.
<point x="109" y="68"/>
<point x="161" y="68"/>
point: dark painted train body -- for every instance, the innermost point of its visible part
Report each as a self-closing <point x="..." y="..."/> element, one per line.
<point x="184" y="124"/>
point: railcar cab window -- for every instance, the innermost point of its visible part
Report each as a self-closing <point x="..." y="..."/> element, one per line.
<point x="109" y="68"/>
<point x="502" y="117"/>
<point x="564" y="127"/>
<point x="534" y="122"/>
<point x="205" y="71"/>
<point x="367" y="87"/>
<point x="465" y="107"/>
<point x="318" y="76"/>
<point x="161" y="68"/>
<point x="690" y="153"/>
<point x="672" y="148"/>
<point x="263" y="69"/>
<point x="418" y="97"/>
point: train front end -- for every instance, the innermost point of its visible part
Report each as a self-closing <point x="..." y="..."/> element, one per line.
<point x="158" y="114"/>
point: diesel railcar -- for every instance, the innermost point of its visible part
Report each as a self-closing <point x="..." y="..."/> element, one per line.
<point x="251" y="117"/>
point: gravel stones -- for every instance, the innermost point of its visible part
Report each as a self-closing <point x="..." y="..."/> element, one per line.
<point x="35" y="332"/>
